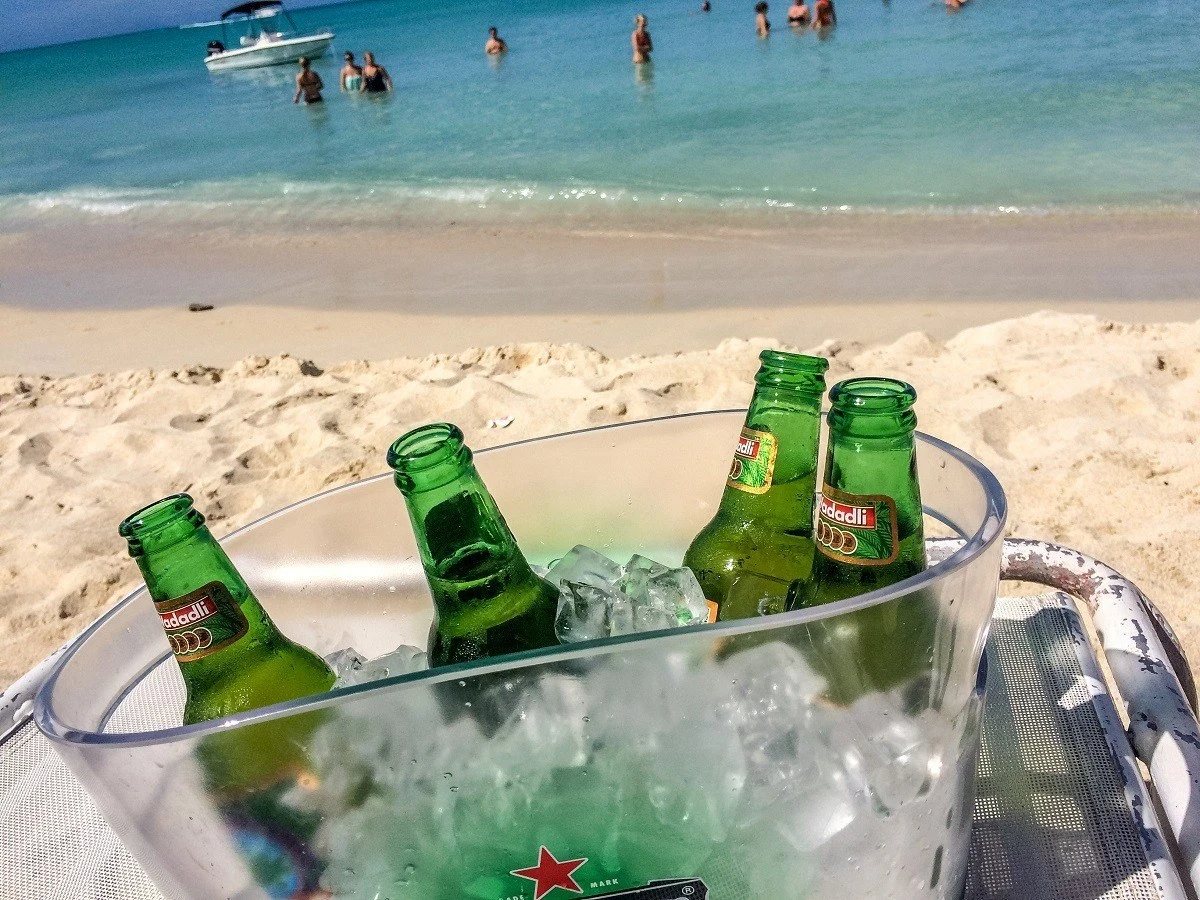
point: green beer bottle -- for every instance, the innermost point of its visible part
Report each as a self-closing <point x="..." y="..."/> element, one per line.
<point x="230" y="653"/>
<point x="487" y="600"/>
<point x="234" y="659"/>
<point x="869" y="535"/>
<point x="761" y="538"/>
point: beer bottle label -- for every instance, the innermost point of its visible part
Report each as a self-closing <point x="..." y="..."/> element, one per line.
<point x="202" y="622"/>
<point x="859" y="529"/>
<point x="753" y="461"/>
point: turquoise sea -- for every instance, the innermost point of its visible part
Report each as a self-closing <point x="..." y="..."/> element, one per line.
<point x="1011" y="107"/>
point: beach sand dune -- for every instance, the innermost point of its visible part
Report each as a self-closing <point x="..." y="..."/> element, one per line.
<point x="1091" y="425"/>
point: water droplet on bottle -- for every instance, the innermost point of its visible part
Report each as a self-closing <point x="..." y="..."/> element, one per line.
<point x="454" y="788"/>
<point x="462" y="683"/>
<point x="410" y="869"/>
<point x="448" y="775"/>
<point x="587" y="718"/>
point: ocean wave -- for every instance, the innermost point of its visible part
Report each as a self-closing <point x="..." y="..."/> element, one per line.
<point x="249" y="202"/>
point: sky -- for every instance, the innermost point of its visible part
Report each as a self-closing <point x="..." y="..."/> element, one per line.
<point x="35" y="23"/>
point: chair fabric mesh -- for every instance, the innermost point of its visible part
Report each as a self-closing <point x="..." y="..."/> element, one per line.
<point x="1051" y="817"/>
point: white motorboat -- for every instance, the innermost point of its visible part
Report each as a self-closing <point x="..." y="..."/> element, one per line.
<point x="262" y="44"/>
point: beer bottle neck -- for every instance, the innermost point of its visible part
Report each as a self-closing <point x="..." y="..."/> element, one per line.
<point x="458" y="527"/>
<point x="872" y="449"/>
<point x="784" y="421"/>
<point x="884" y="465"/>
<point x="204" y="603"/>
<point x="185" y="560"/>
<point x="794" y="418"/>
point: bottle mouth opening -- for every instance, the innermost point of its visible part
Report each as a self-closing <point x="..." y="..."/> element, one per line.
<point x="783" y="361"/>
<point x="157" y="515"/>
<point x="424" y="447"/>
<point x="873" y="395"/>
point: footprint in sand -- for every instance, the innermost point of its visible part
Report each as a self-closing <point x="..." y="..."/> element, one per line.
<point x="189" y="421"/>
<point x="35" y="451"/>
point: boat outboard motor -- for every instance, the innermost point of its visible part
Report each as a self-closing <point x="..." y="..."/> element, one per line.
<point x="215" y="47"/>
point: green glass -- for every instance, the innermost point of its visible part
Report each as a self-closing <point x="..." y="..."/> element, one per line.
<point x="487" y="600"/>
<point x="183" y="564"/>
<point x="869" y="535"/>
<point x="239" y="661"/>
<point x="761" y="538"/>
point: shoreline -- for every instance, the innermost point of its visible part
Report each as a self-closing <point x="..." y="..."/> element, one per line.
<point x="77" y="299"/>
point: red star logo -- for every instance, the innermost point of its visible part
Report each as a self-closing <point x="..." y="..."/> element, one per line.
<point x="549" y="874"/>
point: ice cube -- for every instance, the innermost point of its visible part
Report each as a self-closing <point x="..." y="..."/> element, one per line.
<point x="620" y="615"/>
<point x="678" y="592"/>
<point x="583" y="565"/>
<point x="583" y="612"/>
<point x="653" y="616"/>
<point x="401" y="661"/>
<point x="638" y="571"/>
<point x="345" y="661"/>
<point x="890" y="757"/>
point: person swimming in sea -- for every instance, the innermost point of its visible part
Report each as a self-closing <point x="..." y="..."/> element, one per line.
<point x="705" y="6"/>
<point x="308" y="83"/>
<point x="824" y="15"/>
<point x="642" y="45"/>
<point x="762" y="24"/>
<point x="375" y="78"/>
<point x="798" y="15"/>
<point x="351" y="74"/>
<point x="495" y="44"/>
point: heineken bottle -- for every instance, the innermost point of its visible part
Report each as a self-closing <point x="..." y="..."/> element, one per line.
<point x="761" y="538"/>
<point x="234" y="659"/>
<point x="230" y="653"/>
<point x="869" y="535"/>
<point x="487" y="600"/>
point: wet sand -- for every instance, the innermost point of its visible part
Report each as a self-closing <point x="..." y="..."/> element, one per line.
<point x="339" y="294"/>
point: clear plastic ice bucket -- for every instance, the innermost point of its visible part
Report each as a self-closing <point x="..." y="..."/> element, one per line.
<point x="781" y="757"/>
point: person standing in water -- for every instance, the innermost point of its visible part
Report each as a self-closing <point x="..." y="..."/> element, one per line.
<point x="351" y="74"/>
<point x="495" y="44"/>
<point x="799" y="16"/>
<point x="642" y="45"/>
<point x="824" y="15"/>
<point x="375" y="78"/>
<point x="761" y="24"/>
<point x="308" y="83"/>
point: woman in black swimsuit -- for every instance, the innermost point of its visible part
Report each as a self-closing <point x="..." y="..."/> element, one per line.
<point x="375" y="78"/>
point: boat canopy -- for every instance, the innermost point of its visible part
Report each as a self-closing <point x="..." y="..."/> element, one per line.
<point x="250" y="8"/>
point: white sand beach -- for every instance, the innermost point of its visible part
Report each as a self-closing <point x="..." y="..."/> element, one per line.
<point x="1091" y="425"/>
